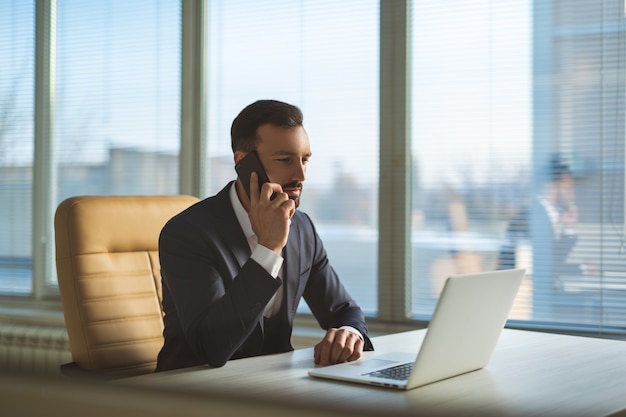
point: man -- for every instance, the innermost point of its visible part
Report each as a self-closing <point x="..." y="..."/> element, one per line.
<point x="235" y="267"/>
<point x="554" y="224"/>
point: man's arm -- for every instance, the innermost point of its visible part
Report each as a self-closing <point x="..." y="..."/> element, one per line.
<point x="217" y="305"/>
<point x="333" y="308"/>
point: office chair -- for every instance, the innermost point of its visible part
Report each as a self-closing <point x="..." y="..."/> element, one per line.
<point x="110" y="280"/>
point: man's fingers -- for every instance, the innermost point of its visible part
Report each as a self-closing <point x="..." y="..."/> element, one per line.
<point x="348" y="349"/>
<point x="254" y="188"/>
<point x="357" y="352"/>
<point x="323" y="348"/>
<point x="265" y="191"/>
<point x="339" y="345"/>
<point x="269" y="189"/>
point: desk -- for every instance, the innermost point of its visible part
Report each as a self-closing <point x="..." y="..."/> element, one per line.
<point x="530" y="373"/>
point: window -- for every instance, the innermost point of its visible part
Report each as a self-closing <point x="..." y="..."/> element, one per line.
<point x="115" y="76"/>
<point x="323" y="57"/>
<point x="509" y="117"/>
<point x="17" y="85"/>
<point x="117" y="103"/>
<point x="518" y="146"/>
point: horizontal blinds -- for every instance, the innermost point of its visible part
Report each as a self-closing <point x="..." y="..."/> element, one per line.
<point x="114" y="112"/>
<point x="17" y="83"/>
<point x="518" y="147"/>
<point x="117" y="109"/>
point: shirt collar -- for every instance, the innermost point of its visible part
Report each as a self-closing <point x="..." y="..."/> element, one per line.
<point x="240" y="212"/>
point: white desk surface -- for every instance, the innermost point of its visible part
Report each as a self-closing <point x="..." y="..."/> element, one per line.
<point x="530" y="373"/>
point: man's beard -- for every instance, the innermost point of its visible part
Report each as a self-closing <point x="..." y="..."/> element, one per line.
<point x="297" y="185"/>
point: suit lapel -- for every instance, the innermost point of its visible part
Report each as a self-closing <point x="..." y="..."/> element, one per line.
<point x="291" y="278"/>
<point x="227" y="222"/>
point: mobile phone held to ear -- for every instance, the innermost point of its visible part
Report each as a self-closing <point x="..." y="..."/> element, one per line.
<point x="246" y="166"/>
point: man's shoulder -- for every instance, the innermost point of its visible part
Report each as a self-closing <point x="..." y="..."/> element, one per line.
<point x="304" y="223"/>
<point x="204" y="211"/>
<point x="302" y="218"/>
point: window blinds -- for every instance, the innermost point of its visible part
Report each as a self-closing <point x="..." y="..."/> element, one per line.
<point x="117" y="104"/>
<point x="518" y="145"/>
<point x="115" y="114"/>
<point x="17" y="84"/>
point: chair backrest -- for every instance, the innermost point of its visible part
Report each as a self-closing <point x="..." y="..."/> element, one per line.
<point x="110" y="278"/>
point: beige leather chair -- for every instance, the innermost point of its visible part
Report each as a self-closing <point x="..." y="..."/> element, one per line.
<point x="110" y="280"/>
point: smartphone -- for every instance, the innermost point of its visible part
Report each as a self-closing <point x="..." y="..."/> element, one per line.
<point x="246" y="166"/>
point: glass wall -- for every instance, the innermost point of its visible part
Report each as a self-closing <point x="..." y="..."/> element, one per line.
<point x="115" y="111"/>
<point x="516" y="114"/>
<point x="117" y="107"/>
<point x="17" y="92"/>
<point x="518" y="146"/>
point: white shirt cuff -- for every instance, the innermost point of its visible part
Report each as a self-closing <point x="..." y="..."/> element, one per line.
<point x="353" y="330"/>
<point x="269" y="260"/>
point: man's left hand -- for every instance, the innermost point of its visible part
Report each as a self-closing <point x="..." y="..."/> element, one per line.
<point x="339" y="345"/>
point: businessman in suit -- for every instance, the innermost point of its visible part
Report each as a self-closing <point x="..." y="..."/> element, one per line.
<point x="235" y="267"/>
<point x="554" y="220"/>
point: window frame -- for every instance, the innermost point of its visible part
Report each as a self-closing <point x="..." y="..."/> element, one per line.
<point x="44" y="172"/>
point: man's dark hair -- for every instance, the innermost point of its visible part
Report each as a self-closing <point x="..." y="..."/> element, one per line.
<point x="558" y="168"/>
<point x="243" y="132"/>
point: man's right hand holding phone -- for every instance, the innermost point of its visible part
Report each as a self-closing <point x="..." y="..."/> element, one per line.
<point x="270" y="217"/>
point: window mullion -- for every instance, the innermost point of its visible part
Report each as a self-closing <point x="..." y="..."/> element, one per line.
<point x="44" y="171"/>
<point x="193" y="161"/>
<point x="394" y="271"/>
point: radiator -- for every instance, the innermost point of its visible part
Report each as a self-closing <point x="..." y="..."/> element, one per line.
<point x="36" y="349"/>
<point x="42" y="349"/>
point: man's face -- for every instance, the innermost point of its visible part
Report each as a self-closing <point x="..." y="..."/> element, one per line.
<point x="284" y="153"/>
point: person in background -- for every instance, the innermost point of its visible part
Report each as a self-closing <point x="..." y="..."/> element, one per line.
<point x="555" y="218"/>
<point x="235" y="267"/>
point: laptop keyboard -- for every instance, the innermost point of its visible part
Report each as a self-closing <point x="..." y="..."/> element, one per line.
<point x="398" y="372"/>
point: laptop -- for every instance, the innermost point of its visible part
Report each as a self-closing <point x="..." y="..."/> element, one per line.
<point x="461" y="337"/>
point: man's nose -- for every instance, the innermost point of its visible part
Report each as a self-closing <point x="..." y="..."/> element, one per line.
<point x="300" y="171"/>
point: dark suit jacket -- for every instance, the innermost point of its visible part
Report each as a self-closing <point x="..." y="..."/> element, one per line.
<point x="214" y="295"/>
<point x="549" y="260"/>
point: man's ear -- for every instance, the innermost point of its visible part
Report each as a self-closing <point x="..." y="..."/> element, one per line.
<point x="238" y="155"/>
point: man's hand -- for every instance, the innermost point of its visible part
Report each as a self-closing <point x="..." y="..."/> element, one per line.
<point x="270" y="218"/>
<point x="339" y="345"/>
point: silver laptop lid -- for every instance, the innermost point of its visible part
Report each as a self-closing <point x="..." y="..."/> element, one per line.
<point x="466" y="324"/>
